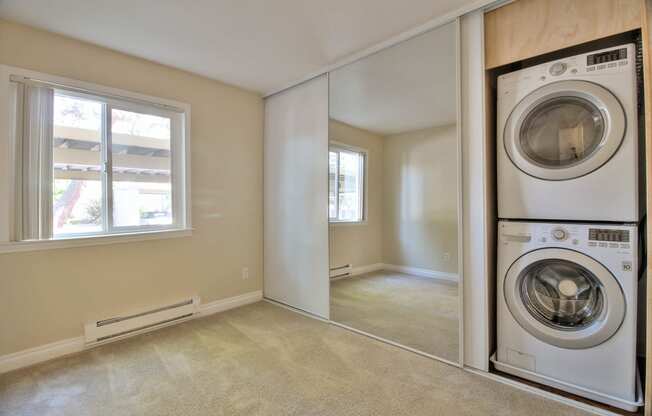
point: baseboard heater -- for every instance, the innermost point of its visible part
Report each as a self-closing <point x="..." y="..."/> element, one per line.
<point x="340" y="271"/>
<point x="123" y="326"/>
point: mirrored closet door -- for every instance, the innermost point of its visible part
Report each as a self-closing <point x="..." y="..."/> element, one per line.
<point x="393" y="194"/>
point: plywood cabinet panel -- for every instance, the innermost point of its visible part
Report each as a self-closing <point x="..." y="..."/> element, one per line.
<point x="527" y="28"/>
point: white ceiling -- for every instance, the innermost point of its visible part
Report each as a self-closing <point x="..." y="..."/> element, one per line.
<point x="407" y="87"/>
<point x="260" y="45"/>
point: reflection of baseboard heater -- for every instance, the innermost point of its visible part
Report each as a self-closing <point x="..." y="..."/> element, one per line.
<point x="341" y="271"/>
<point x="124" y="326"/>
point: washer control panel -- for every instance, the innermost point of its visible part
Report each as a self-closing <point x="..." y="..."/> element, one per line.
<point x="567" y="234"/>
<point x="570" y="235"/>
<point x="609" y="238"/>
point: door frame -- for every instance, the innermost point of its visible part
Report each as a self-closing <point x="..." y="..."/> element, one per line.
<point x="646" y="35"/>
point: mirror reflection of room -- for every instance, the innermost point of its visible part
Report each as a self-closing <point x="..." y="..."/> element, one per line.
<point x="393" y="193"/>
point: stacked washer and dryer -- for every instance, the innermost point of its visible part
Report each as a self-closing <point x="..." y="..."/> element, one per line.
<point x="570" y="189"/>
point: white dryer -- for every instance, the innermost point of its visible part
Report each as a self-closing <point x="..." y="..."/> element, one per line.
<point x="567" y="140"/>
<point x="566" y="308"/>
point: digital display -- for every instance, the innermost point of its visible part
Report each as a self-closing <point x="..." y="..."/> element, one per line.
<point x="608" y="56"/>
<point x="602" y="234"/>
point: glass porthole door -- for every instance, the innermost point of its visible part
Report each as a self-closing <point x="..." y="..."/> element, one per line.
<point x="564" y="298"/>
<point x="561" y="294"/>
<point x="564" y="130"/>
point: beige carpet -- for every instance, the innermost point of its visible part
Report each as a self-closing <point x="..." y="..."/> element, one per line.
<point x="417" y="312"/>
<point x="257" y="360"/>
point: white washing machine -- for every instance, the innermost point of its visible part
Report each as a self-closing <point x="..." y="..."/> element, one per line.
<point x="567" y="140"/>
<point x="566" y="308"/>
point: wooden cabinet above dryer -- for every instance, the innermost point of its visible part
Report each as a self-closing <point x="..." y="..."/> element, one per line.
<point x="527" y="28"/>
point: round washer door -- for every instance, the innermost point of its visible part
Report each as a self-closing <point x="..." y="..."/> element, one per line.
<point x="564" y="130"/>
<point x="564" y="298"/>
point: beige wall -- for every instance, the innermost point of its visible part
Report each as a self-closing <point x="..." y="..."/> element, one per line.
<point x="47" y="296"/>
<point x="360" y="244"/>
<point x="420" y="199"/>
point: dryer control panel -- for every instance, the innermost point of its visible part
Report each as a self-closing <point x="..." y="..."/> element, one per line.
<point x="607" y="59"/>
<point x="598" y="63"/>
<point x="612" y="55"/>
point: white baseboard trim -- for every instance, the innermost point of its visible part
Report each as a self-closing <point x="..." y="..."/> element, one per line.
<point x="41" y="353"/>
<point x="229" y="303"/>
<point x="355" y="271"/>
<point x="433" y="274"/>
<point x="69" y="346"/>
<point x="366" y="269"/>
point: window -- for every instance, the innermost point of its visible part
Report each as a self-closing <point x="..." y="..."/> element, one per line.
<point x="346" y="169"/>
<point x="91" y="164"/>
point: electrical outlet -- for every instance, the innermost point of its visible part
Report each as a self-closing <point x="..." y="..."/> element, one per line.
<point x="245" y="273"/>
<point x="447" y="256"/>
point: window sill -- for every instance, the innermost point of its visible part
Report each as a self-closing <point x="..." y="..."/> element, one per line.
<point x="346" y="223"/>
<point x="96" y="240"/>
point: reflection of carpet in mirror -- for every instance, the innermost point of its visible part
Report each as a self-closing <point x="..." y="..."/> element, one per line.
<point x="417" y="312"/>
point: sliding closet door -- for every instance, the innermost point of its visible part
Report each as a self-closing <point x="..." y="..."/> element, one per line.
<point x="296" y="197"/>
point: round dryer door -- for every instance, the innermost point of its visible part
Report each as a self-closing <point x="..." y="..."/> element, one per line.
<point x="564" y="130"/>
<point x="564" y="298"/>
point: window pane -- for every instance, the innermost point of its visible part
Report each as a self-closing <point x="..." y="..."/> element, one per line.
<point x="350" y="186"/>
<point x="332" y="174"/>
<point x="77" y="161"/>
<point x="142" y="186"/>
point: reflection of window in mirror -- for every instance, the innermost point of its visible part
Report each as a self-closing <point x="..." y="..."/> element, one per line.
<point x="346" y="183"/>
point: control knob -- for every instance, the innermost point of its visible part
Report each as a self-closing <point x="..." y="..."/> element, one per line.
<point x="558" y="68"/>
<point x="559" y="234"/>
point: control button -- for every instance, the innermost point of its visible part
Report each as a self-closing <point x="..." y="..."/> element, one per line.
<point x="590" y="69"/>
<point x="574" y="71"/>
<point x="627" y="266"/>
<point x="625" y="246"/>
<point x="592" y="244"/>
<point x="602" y="66"/>
<point x="576" y="241"/>
<point x="557" y="68"/>
<point x="559" y="234"/>
<point x="602" y="244"/>
<point x="543" y="78"/>
<point x="613" y="245"/>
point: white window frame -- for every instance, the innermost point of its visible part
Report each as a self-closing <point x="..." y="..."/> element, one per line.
<point x="114" y="98"/>
<point x="335" y="145"/>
